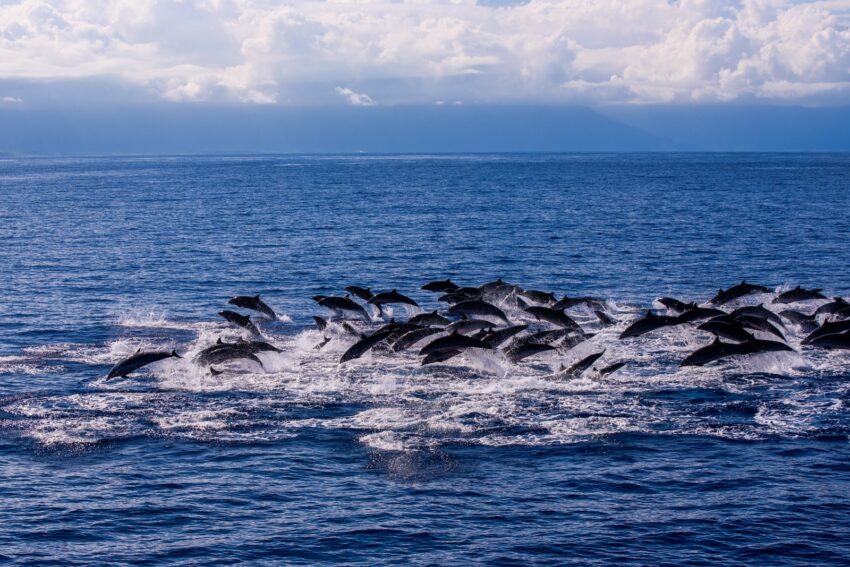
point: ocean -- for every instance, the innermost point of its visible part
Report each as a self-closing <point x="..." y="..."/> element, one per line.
<point x="477" y="460"/>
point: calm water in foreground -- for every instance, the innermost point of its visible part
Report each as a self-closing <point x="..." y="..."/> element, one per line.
<point x="380" y="461"/>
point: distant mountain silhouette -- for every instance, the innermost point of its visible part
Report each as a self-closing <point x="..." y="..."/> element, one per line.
<point x="743" y="128"/>
<point x="190" y="128"/>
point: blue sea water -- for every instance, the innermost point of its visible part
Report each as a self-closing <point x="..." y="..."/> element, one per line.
<point x="380" y="461"/>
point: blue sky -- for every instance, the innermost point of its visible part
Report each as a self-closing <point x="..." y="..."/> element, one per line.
<point x="600" y="54"/>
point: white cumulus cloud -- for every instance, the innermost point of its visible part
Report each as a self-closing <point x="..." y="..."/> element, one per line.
<point x="355" y="99"/>
<point x="411" y="51"/>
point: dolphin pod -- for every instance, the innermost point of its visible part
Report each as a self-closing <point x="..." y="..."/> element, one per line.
<point x="524" y="326"/>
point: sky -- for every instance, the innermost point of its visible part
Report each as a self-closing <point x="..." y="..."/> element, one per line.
<point x="249" y="54"/>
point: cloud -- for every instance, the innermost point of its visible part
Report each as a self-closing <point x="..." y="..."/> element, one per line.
<point x="411" y="51"/>
<point x="355" y="99"/>
<point x="11" y="100"/>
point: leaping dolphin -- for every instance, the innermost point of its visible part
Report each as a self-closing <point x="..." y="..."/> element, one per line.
<point x="440" y="286"/>
<point x="453" y="342"/>
<point x="138" y="360"/>
<point x="579" y="367"/>
<point x="363" y="293"/>
<point x="557" y="317"/>
<point x="432" y="319"/>
<point x="834" y="341"/>
<point x="388" y="297"/>
<point x="478" y="308"/>
<point x="523" y="351"/>
<point x="718" y="350"/>
<point x="799" y="294"/>
<point x="736" y="291"/>
<point x="240" y="321"/>
<point x="254" y="303"/>
<point x="342" y="305"/>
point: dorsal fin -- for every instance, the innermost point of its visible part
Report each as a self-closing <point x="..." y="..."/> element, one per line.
<point x="257" y="296"/>
<point x="219" y="341"/>
<point x="138" y="350"/>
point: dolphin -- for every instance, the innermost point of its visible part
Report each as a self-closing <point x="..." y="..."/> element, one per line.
<point x="807" y="322"/>
<point x="490" y="286"/>
<point x="465" y="326"/>
<point x="412" y="337"/>
<point x="549" y="336"/>
<point x="432" y="319"/>
<point x="718" y="350"/>
<point x="833" y="307"/>
<point x="342" y="306"/>
<point x="254" y="303"/>
<point x="352" y="331"/>
<point x="496" y="338"/>
<point x="388" y="297"/>
<point x="440" y="286"/>
<point x="228" y="353"/>
<point x="399" y="330"/>
<point x="539" y="297"/>
<point x="610" y="369"/>
<point x="799" y="294"/>
<point x="737" y="291"/>
<point x="834" y="341"/>
<point x="604" y="318"/>
<point x="441" y="356"/>
<point x="455" y="341"/>
<point x="240" y="321"/>
<point x="519" y="352"/>
<point x="222" y="352"/>
<point x="649" y="322"/>
<point x="321" y="322"/>
<point x="138" y="360"/>
<point x="827" y="328"/>
<point x="568" y="302"/>
<point x="674" y="305"/>
<point x="461" y="294"/>
<point x="579" y="367"/>
<point x="696" y="313"/>
<point x="477" y="307"/>
<point x="557" y="317"/>
<point x="501" y="293"/>
<point x="759" y="311"/>
<point x="363" y="293"/>
<point x="727" y="330"/>
<point x="365" y="344"/>
<point x="759" y="324"/>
